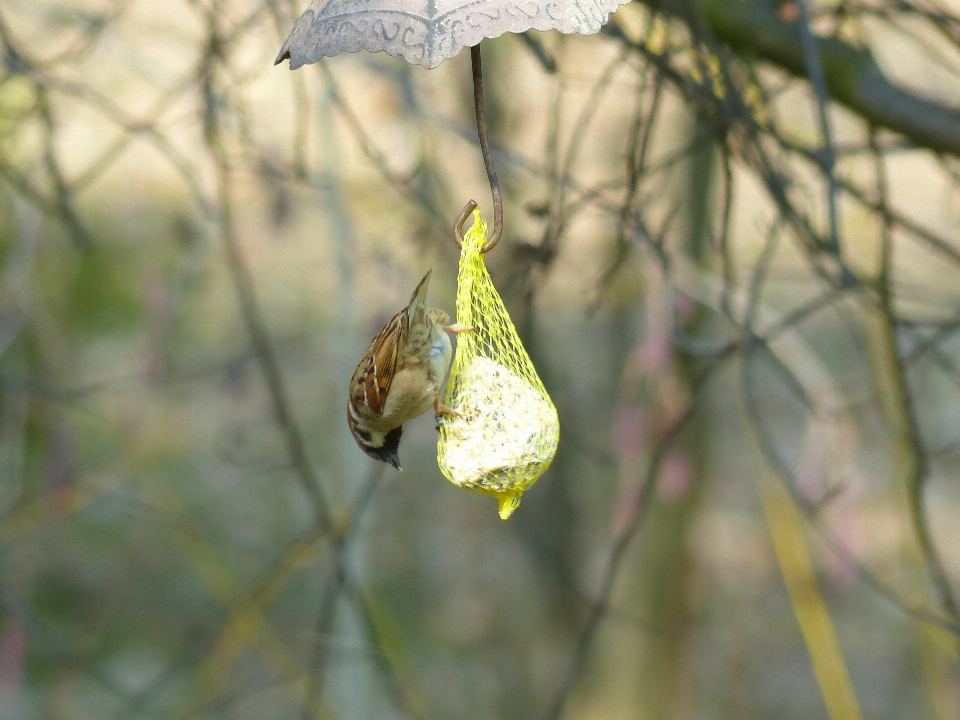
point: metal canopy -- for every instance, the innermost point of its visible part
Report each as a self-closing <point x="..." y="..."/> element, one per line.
<point x="427" y="32"/>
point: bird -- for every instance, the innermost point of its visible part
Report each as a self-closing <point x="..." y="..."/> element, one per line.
<point x="400" y="375"/>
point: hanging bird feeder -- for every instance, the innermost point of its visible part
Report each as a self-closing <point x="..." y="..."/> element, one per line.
<point x="504" y="431"/>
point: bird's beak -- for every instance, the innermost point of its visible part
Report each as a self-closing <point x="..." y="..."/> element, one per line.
<point x="386" y="455"/>
<point x="394" y="459"/>
<point x="457" y="328"/>
<point x="391" y="445"/>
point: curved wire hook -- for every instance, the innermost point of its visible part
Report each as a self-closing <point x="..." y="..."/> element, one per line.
<point x="458" y="224"/>
<point x="487" y="159"/>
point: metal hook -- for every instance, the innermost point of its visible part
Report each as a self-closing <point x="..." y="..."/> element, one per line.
<point x="487" y="158"/>
<point x="458" y="224"/>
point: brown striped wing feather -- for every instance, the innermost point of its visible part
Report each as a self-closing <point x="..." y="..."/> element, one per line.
<point x="373" y="376"/>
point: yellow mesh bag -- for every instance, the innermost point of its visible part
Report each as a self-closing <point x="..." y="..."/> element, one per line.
<point x="506" y="430"/>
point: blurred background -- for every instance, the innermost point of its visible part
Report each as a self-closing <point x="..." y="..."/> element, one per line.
<point x="742" y="295"/>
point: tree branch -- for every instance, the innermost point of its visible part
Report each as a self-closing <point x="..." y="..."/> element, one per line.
<point x="852" y="75"/>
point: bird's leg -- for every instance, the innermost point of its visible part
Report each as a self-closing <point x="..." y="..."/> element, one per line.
<point x="440" y="409"/>
<point x="457" y="328"/>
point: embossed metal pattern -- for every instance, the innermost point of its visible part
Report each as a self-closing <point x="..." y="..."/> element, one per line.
<point x="427" y="32"/>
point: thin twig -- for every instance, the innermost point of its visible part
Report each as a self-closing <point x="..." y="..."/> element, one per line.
<point x="623" y="540"/>
<point x="827" y="155"/>
<point x="919" y="467"/>
<point x="253" y="320"/>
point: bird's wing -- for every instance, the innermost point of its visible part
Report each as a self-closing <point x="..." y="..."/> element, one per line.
<point x="374" y="375"/>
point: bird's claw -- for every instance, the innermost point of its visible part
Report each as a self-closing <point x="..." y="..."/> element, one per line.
<point x="440" y="409"/>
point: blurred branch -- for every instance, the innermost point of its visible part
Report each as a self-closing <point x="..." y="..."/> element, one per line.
<point x="852" y="75"/>
<point x="337" y="585"/>
<point x="376" y="156"/>
<point x="810" y="511"/>
<point x="63" y="196"/>
<point x="897" y="400"/>
<point x="733" y="124"/>
<point x="889" y="214"/>
<point x="61" y="204"/>
<point x="249" y="307"/>
<point x="385" y="633"/>
<point x="817" y="81"/>
<point x="601" y="605"/>
<point x="240" y="605"/>
<point x="819" y="634"/>
<point x="559" y="217"/>
<point x="546" y="59"/>
<point x="799" y="365"/>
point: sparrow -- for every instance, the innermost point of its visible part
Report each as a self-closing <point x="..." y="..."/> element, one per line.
<point x="400" y="375"/>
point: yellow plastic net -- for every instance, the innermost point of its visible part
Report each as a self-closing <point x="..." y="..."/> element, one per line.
<point x="506" y="430"/>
